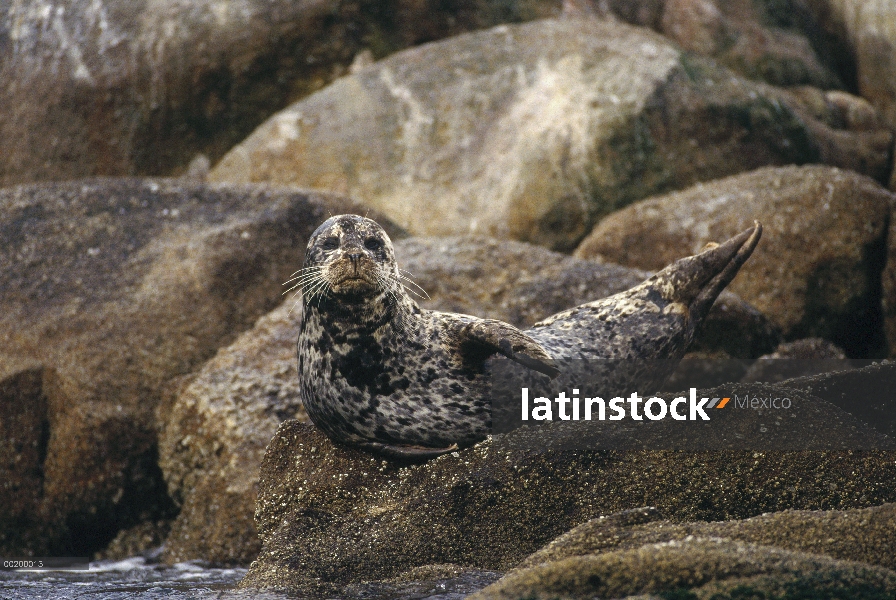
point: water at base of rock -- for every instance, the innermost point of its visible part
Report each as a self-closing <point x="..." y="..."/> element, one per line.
<point x="142" y="579"/>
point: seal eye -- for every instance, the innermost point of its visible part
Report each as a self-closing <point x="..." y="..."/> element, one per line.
<point x="373" y="244"/>
<point x="330" y="243"/>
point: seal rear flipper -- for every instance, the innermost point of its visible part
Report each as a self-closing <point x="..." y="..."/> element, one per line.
<point x="498" y="337"/>
<point x="406" y="452"/>
<point x="742" y="245"/>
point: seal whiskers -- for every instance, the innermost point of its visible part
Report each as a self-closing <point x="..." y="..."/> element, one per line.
<point x="379" y="372"/>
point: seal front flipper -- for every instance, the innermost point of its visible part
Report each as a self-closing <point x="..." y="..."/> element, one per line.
<point x="491" y="336"/>
<point x="405" y="452"/>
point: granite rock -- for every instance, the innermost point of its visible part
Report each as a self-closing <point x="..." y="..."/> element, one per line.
<point x="817" y="272"/>
<point x="534" y="131"/>
<point x="123" y="87"/>
<point x="110" y="289"/>
<point x="329" y="515"/>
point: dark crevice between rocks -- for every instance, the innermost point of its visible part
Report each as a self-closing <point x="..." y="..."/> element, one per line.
<point x="24" y="428"/>
<point x="31" y="523"/>
<point x="859" y="326"/>
<point x="144" y="499"/>
<point x="831" y="48"/>
<point x="829" y="39"/>
<point x="43" y="441"/>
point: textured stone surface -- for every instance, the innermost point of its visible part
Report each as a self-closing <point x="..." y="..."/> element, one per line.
<point x="859" y="534"/>
<point x="780" y="42"/>
<point x="121" y="87"/>
<point x="108" y="290"/>
<point x="533" y="131"/>
<point x="869" y="26"/>
<point x="146" y="538"/>
<point x="697" y="567"/>
<point x="215" y="427"/>
<point x="640" y="536"/>
<point x="817" y="269"/>
<point x="329" y="515"/>
<point x="213" y="436"/>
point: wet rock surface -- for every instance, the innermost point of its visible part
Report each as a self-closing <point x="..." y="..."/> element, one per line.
<point x="110" y="289"/>
<point x="818" y="270"/>
<point x="534" y="131"/>
<point x="328" y="514"/>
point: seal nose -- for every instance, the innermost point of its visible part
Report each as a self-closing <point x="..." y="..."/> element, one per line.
<point x="354" y="257"/>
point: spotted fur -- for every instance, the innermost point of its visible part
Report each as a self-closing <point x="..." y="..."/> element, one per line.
<point x="377" y="370"/>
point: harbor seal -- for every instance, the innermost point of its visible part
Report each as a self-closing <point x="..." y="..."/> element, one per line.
<point x="379" y="372"/>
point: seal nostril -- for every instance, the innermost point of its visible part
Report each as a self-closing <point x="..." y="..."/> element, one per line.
<point x="355" y="258"/>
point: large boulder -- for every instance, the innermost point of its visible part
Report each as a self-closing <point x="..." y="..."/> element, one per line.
<point x="792" y="554"/>
<point x="779" y="42"/>
<point x="109" y="289"/>
<point x="534" y="131"/>
<point x="814" y="552"/>
<point x="329" y="515"/>
<point x="817" y="271"/>
<point x="215" y="427"/>
<point x="124" y="87"/>
<point x="869" y="26"/>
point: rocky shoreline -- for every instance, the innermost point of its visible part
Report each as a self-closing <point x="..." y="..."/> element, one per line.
<point x="526" y="158"/>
